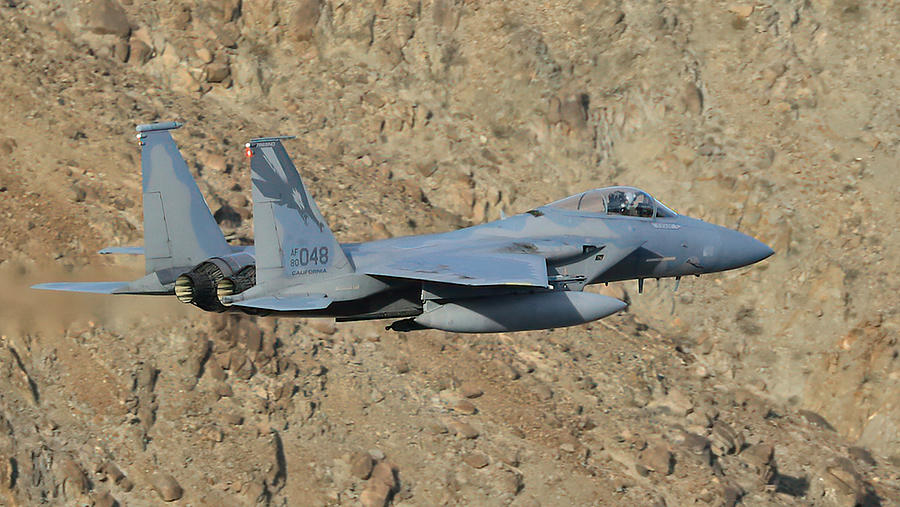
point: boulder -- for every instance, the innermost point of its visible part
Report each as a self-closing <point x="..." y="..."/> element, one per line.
<point x="197" y="357"/>
<point x="463" y="430"/>
<point x="302" y="24"/>
<point x="470" y="390"/>
<point x="7" y="146"/>
<point x="504" y="370"/>
<point x="121" y="50"/>
<point x="860" y="454"/>
<point x="184" y="82"/>
<point x="384" y="473"/>
<point x="361" y="464"/>
<point x="675" y="402"/>
<point x="324" y="326"/>
<point x="761" y="459"/>
<point x="217" y="72"/>
<point x="213" y="161"/>
<point x="167" y="487"/>
<point x="693" y="99"/>
<point x="658" y="458"/>
<point x="380" y="486"/>
<point x="104" y="499"/>
<point x="815" y="419"/>
<point x="105" y="17"/>
<point x="139" y="52"/>
<point x="7" y="473"/>
<point x="112" y="472"/>
<point x="223" y="390"/>
<point x="375" y="495"/>
<point x="75" y="482"/>
<point x="543" y="392"/>
<point x="232" y="419"/>
<point x="837" y="483"/>
<point x="476" y="460"/>
<point x="724" y="439"/>
<point x="510" y="483"/>
<point x="731" y="494"/>
<point x="574" y="113"/>
<point x="464" y="407"/>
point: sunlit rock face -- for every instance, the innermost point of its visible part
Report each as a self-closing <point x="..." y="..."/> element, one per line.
<point x="775" y="384"/>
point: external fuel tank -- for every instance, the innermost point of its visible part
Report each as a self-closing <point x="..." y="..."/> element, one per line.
<point x="519" y="312"/>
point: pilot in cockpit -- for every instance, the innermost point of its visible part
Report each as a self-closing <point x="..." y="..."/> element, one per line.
<point x="629" y="203"/>
<point x="617" y="203"/>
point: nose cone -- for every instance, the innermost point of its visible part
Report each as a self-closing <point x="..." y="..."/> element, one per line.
<point x="737" y="250"/>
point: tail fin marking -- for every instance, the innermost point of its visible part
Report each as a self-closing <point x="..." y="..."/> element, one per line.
<point x="291" y="235"/>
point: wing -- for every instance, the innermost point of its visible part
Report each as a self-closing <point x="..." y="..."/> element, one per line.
<point x="473" y="270"/>
<point x="89" y="287"/>
<point x="287" y="303"/>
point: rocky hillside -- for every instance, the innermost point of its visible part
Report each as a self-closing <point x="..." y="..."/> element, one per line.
<point x="774" y="384"/>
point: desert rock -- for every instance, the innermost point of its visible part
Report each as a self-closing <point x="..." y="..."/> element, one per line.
<point x="464" y="407"/>
<point x="470" y="390"/>
<point x="658" y="459"/>
<point x="476" y="460"/>
<point x="724" y="439"/>
<point x="106" y="17"/>
<point x="771" y="118"/>
<point x="361" y="464"/>
<point x="167" y="487"/>
<point x="464" y="430"/>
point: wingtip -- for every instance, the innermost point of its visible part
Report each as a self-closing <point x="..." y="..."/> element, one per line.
<point x="122" y="250"/>
<point x="150" y="127"/>
<point x="269" y="139"/>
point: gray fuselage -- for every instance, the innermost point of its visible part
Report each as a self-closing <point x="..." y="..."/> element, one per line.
<point x="573" y="242"/>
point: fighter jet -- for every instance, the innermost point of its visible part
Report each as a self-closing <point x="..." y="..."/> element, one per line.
<point x="523" y="272"/>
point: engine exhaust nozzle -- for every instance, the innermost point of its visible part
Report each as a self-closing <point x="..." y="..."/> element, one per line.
<point x="225" y="289"/>
<point x="236" y="284"/>
<point x="184" y="289"/>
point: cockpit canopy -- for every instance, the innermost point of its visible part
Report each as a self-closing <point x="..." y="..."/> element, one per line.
<point x="624" y="201"/>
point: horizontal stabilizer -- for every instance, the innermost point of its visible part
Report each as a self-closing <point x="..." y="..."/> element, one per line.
<point x="90" y="287"/>
<point x="287" y="303"/>
<point x="148" y="285"/>
<point x="122" y="250"/>
<point x="473" y="269"/>
<point x="139" y="250"/>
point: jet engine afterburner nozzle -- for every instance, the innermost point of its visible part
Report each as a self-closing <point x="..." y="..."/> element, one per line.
<point x="214" y="278"/>
<point x="225" y="289"/>
<point x="184" y="289"/>
<point x="239" y="282"/>
<point x="199" y="285"/>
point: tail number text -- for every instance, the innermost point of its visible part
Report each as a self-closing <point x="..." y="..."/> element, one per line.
<point x="317" y="256"/>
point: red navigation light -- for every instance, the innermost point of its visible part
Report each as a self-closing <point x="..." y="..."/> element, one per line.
<point x="248" y="152"/>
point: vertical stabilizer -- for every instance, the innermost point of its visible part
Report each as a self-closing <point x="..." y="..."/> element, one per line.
<point x="291" y="236"/>
<point x="179" y="230"/>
